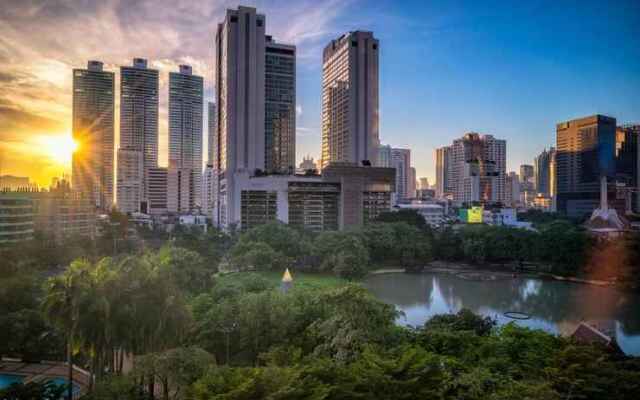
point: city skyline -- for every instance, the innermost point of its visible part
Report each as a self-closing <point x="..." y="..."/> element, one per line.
<point x="485" y="95"/>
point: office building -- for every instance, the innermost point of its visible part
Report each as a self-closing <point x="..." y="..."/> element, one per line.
<point x="208" y="190"/>
<point x="627" y="162"/>
<point x="185" y="140"/>
<point x="445" y="186"/>
<point x="62" y="214"/>
<point x="138" y="134"/>
<point x="384" y="156"/>
<point x="212" y="126"/>
<point x="307" y="164"/>
<point x="585" y="152"/>
<point x="543" y="167"/>
<point x="512" y="190"/>
<point x="412" y="183"/>
<point x="345" y="195"/>
<point x="157" y="182"/>
<point x="401" y="161"/>
<point x="93" y="131"/>
<point x="240" y="92"/>
<point x="10" y="182"/>
<point x="424" y="183"/>
<point x="478" y="169"/>
<point x="280" y="107"/>
<point x="350" y="99"/>
<point x="16" y="217"/>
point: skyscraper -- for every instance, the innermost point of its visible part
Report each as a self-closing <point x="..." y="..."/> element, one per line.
<point x="401" y="161"/>
<point x="478" y="169"/>
<point x="93" y="113"/>
<point x="185" y="140"/>
<point x="138" y="133"/>
<point x="240" y="94"/>
<point x="384" y="156"/>
<point x="585" y="152"/>
<point x="542" y="165"/>
<point x="212" y="125"/>
<point x="280" y="107"/>
<point x="444" y="179"/>
<point x="350" y="99"/>
<point x="628" y="160"/>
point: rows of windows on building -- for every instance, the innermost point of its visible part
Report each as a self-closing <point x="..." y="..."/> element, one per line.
<point x="565" y="178"/>
<point x="250" y="176"/>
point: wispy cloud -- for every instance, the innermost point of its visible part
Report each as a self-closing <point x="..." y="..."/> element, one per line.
<point x="41" y="41"/>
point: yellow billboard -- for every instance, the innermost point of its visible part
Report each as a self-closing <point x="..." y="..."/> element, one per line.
<point x="474" y="215"/>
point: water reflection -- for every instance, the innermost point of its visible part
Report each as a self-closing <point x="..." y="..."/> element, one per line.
<point x="555" y="306"/>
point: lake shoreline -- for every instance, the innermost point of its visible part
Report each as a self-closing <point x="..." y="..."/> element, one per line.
<point x="460" y="268"/>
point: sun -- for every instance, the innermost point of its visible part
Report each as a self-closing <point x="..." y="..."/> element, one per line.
<point x="59" y="148"/>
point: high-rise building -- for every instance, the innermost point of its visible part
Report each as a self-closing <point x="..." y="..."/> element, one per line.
<point x="157" y="182"/>
<point x="138" y="133"/>
<point x="412" y="183"/>
<point x="526" y="173"/>
<point x="401" y="161"/>
<point x="478" y="169"/>
<point x="445" y="185"/>
<point x="424" y="183"/>
<point x="384" y="156"/>
<point x="185" y="140"/>
<point x="208" y="190"/>
<point x="543" y="165"/>
<point x="512" y="189"/>
<point x="240" y="94"/>
<point x="628" y="160"/>
<point x="585" y="152"/>
<point x="350" y="99"/>
<point x="307" y="164"/>
<point x="212" y="126"/>
<point x="280" y="107"/>
<point x="92" y="129"/>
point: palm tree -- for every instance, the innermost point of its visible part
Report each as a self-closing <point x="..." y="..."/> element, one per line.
<point x="61" y="306"/>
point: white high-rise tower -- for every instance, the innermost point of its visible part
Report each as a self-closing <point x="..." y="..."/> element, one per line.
<point x="350" y="99"/>
<point x="185" y="140"/>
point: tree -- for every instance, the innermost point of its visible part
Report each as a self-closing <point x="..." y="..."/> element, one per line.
<point x="411" y="217"/>
<point x="33" y="391"/>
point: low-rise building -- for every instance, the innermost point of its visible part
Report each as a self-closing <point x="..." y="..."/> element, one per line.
<point x="16" y="217"/>
<point x="433" y="213"/>
<point x="344" y="195"/>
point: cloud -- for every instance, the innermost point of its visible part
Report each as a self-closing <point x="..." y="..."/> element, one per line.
<point x="42" y="41"/>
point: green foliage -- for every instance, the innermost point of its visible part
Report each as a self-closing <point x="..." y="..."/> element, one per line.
<point x="464" y="320"/>
<point x="33" y="391"/>
<point x="410" y="217"/>
<point x="342" y="253"/>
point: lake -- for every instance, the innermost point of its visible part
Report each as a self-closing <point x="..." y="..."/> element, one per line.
<point x="555" y="306"/>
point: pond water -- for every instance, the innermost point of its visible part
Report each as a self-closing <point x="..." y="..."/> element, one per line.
<point x="555" y="306"/>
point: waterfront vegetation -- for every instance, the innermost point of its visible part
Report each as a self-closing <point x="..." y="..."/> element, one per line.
<point x="202" y="316"/>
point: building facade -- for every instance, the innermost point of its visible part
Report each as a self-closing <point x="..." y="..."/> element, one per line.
<point x="157" y="182"/>
<point x="185" y="140"/>
<point x="444" y="169"/>
<point x="628" y="161"/>
<point x="384" y="156"/>
<point x="139" y="93"/>
<point x="350" y="99"/>
<point x="585" y="152"/>
<point x="240" y="91"/>
<point x="280" y="107"/>
<point x="93" y="131"/>
<point x="543" y="165"/>
<point x="478" y="169"/>
<point x="16" y="217"/>
<point x="401" y="161"/>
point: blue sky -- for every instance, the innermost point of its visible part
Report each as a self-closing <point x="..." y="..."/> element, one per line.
<point x="512" y="69"/>
<point x="509" y="70"/>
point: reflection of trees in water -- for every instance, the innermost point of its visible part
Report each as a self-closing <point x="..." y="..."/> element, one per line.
<point x="562" y="303"/>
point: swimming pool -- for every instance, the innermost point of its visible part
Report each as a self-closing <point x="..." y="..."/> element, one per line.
<point x="64" y="382"/>
<point x="7" y="379"/>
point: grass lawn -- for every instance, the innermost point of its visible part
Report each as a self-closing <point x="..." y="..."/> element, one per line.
<point x="300" y="279"/>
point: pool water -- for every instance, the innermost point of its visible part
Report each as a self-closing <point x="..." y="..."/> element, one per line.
<point x="7" y="379"/>
<point x="64" y="382"/>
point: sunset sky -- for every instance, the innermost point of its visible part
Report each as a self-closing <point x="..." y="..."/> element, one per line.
<point x="511" y="69"/>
